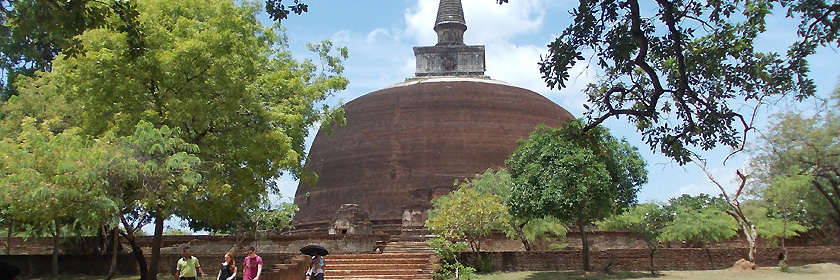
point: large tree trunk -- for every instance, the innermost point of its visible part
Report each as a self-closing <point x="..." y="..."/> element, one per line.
<point x="521" y="234"/>
<point x="156" y="242"/>
<point x="585" y="252"/>
<point x="56" y="243"/>
<point x="116" y="240"/>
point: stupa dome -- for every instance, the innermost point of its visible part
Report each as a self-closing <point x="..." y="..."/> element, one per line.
<point x="407" y="144"/>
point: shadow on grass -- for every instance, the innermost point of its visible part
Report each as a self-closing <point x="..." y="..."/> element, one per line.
<point x="576" y="274"/>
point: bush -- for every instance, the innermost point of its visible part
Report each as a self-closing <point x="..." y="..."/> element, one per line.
<point x="456" y="270"/>
<point x="484" y="264"/>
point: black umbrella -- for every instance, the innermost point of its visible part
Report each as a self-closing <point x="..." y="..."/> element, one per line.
<point x="311" y="249"/>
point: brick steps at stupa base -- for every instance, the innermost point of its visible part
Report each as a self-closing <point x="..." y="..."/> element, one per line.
<point x="408" y="247"/>
<point x="383" y="277"/>
<point x="413" y="261"/>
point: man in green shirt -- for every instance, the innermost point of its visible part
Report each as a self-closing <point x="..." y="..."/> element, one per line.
<point x="187" y="267"/>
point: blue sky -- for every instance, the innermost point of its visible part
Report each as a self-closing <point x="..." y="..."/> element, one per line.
<point x="380" y="36"/>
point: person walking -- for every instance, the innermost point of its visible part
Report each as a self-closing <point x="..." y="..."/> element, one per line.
<point x="228" y="269"/>
<point x="316" y="267"/>
<point x="253" y="265"/>
<point x="188" y="266"/>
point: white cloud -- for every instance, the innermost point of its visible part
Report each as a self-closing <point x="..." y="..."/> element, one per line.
<point x="378" y="34"/>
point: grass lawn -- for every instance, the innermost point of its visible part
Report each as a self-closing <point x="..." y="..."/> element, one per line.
<point x="810" y="272"/>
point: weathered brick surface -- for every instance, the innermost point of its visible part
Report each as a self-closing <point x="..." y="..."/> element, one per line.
<point x="664" y="259"/>
<point x="405" y="145"/>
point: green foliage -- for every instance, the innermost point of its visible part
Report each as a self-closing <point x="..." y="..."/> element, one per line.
<point x="572" y="176"/>
<point x="649" y="220"/>
<point x="196" y="119"/>
<point x="484" y="263"/>
<point x="467" y="214"/>
<point x="796" y="163"/>
<point x="36" y="31"/>
<point x="549" y="228"/>
<point x="685" y="212"/>
<point x="158" y="168"/>
<point x="265" y="220"/>
<point x="716" y="225"/>
<point x="499" y="183"/>
<point x="211" y="70"/>
<point x="173" y="231"/>
<point x="450" y="267"/>
<point x="447" y="250"/>
<point x="50" y="177"/>
<point x="674" y="67"/>
<point x="773" y="226"/>
<point x="677" y="221"/>
<point x="454" y="271"/>
<point x="558" y="246"/>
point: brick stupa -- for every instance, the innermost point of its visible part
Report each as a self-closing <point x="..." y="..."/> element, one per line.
<point x="406" y="144"/>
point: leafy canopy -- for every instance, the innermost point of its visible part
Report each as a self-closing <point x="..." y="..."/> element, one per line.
<point x="228" y="84"/>
<point x="467" y="214"/>
<point x="802" y="145"/>
<point x="681" y="70"/>
<point x="572" y="175"/>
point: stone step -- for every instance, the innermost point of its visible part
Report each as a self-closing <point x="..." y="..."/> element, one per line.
<point x="384" y="261"/>
<point x="399" y="260"/>
<point x="382" y="277"/>
<point x="362" y="272"/>
<point x="379" y="256"/>
<point x="378" y="266"/>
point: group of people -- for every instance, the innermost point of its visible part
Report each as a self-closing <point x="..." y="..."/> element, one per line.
<point x="188" y="267"/>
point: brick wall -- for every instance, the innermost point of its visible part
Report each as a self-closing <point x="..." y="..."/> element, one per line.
<point x="664" y="259"/>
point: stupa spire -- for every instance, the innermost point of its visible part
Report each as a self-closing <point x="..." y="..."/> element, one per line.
<point x="450" y="24"/>
<point x="450" y="56"/>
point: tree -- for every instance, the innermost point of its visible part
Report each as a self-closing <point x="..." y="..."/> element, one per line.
<point x="775" y="222"/>
<point x="51" y="180"/>
<point x="685" y="211"/>
<point x="449" y="266"/>
<point x="577" y="177"/>
<point x="735" y="210"/>
<point x="36" y="31"/>
<point x="224" y="86"/>
<point x="265" y="220"/>
<point x="153" y="172"/>
<point x="806" y="142"/>
<point x="676" y="221"/>
<point x="677" y="71"/>
<point x="527" y="230"/>
<point x="466" y="214"/>
<point x="648" y="220"/>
